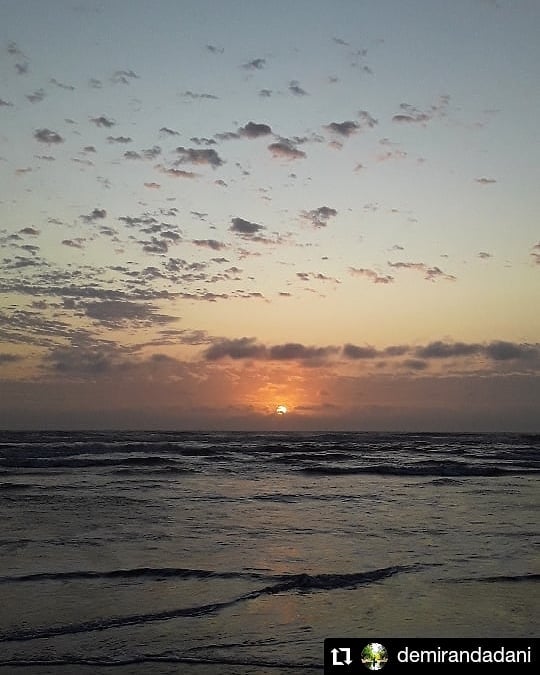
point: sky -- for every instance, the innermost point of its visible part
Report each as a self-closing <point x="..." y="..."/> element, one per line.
<point x="211" y="209"/>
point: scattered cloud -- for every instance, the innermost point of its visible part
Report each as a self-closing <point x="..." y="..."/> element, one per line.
<point x="97" y="214"/>
<point x="296" y="89"/>
<point x="74" y="243"/>
<point x="409" y="114"/>
<point x="47" y="136"/>
<point x="354" y="352"/>
<point x="286" y="149"/>
<point x="209" y="243"/>
<point x="194" y="95"/>
<point x="169" y="132"/>
<point x="103" y="121"/>
<point x="485" y="181"/>
<point x="119" y="139"/>
<point x="198" y="156"/>
<point x="118" y="312"/>
<point x="374" y="276"/>
<point x="61" y="85"/>
<point x="345" y="129"/>
<point x="249" y="348"/>
<point x="535" y="253"/>
<point x="244" y="227"/>
<point x="366" y="120"/>
<point x="123" y="76"/>
<point x="176" y="173"/>
<point x="254" y="130"/>
<point x="444" y="350"/>
<point x="320" y="217"/>
<point x="255" y="64"/>
<point x="431" y="273"/>
<point x="37" y="96"/>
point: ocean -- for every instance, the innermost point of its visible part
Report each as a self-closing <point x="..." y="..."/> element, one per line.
<point x="236" y="553"/>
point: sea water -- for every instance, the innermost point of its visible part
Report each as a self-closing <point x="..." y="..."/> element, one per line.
<point x="237" y="553"/>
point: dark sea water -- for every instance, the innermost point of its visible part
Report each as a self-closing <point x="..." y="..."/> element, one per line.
<point x="233" y="553"/>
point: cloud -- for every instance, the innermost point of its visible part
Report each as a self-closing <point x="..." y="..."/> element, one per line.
<point x="87" y="358"/>
<point x="371" y="274"/>
<point x="255" y="64"/>
<point x="535" y="253"/>
<point x="240" y="348"/>
<point x="152" y="185"/>
<point x="351" y="351"/>
<point x="176" y="173"/>
<point x="119" y="139"/>
<point x="485" y="181"/>
<point x="61" y="85"/>
<point x="202" y="141"/>
<point x="320" y="217"/>
<point x="123" y="76"/>
<point x="430" y="273"/>
<point x="414" y="364"/>
<point x="294" y="351"/>
<point x="318" y="276"/>
<point x="103" y="121"/>
<point x="244" y="227"/>
<point x="209" y="243"/>
<point x="13" y="49"/>
<point x="97" y="214"/>
<point x="47" y="136"/>
<point x="169" y="132"/>
<point x="366" y="120"/>
<point x="285" y="148"/>
<point x="74" y="243"/>
<point x="5" y="103"/>
<point x="296" y="89"/>
<point x="444" y="350"/>
<point x="118" y="312"/>
<point x="347" y="128"/>
<point x="37" y="96"/>
<point x="254" y="130"/>
<point x="195" y="95"/>
<point x="199" y="156"/>
<point x="505" y="351"/>
<point x="249" y="348"/>
<point x="30" y="231"/>
<point x="409" y="114"/>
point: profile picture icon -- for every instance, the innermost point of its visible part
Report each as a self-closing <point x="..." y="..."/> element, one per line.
<point x="374" y="656"/>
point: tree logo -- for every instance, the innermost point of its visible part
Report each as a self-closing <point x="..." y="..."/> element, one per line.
<point x="374" y="656"/>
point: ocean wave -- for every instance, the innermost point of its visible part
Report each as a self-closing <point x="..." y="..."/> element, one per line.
<point x="135" y="660"/>
<point x="135" y="573"/>
<point x="503" y="578"/>
<point x="302" y="583"/>
<point x="83" y="462"/>
<point x="434" y="469"/>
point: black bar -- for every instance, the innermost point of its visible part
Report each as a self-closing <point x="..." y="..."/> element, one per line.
<point x="395" y="655"/>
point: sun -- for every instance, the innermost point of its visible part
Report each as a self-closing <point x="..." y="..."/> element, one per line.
<point x="281" y="410"/>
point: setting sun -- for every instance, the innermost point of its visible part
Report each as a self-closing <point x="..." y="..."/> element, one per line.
<point x="281" y="410"/>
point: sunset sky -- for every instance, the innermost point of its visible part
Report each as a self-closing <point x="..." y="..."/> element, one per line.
<point x="209" y="209"/>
